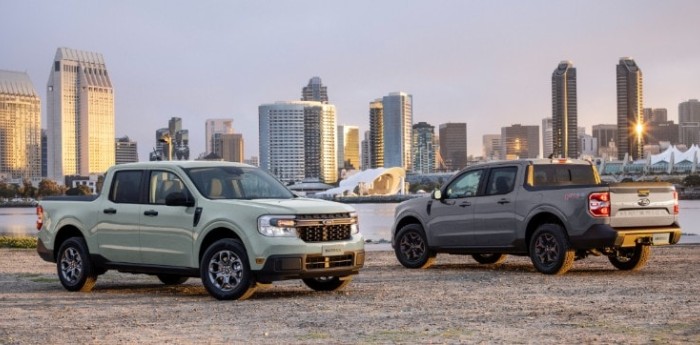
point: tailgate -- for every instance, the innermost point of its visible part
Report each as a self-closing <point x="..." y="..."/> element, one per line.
<point x="642" y="205"/>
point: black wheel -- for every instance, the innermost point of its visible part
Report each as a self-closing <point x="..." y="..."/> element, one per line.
<point x="327" y="283"/>
<point x="411" y="247"/>
<point x="489" y="258"/>
<point x="75" y="270"/>
<point x="225" y="270"/>
<point x="631" y="259"/>
<point x="550" y="250"/>
<point x="171" y="279"/>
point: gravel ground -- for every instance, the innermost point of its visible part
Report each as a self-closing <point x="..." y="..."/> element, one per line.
<point x="455" y="301"/>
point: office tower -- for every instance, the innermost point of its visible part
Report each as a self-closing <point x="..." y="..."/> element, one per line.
<point x="20" y="127"/>
<point x="213" y="126"/>
<point x="315" y="91"/>
<point x="366" y="157"/>
<point x="161" y="150"/>
<point x="348" y="147"/>
<point x="547" y="137"/>
<point x="588" y="145"/>
<point x="398" y="123"/>
<point x="228" y="146"/>
<point x="689" y="122"/>
<point x="126" y="150"/>
<point x="606" y="136"/>
<point x="453" y="145"/>
<point x="657" y="115"/>
<point x="80" y="115"/>
<point x="424" y="160"/>
<point x="172" y="143"/>
<point x="298" y="140"/>
<point x="564" y="111"/>
<point x="44" y="152"/>
<point x="376" y="134"/>
<point x="492" y="146"/>
<point x="630" y="127"/>
<point x="520" y="141"/>
<point x="662" y="132"/>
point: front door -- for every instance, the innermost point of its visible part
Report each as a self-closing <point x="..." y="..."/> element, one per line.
<point x="451" y="220"/>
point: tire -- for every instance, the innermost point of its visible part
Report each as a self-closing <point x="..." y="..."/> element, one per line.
<point x="171" y="279"/>
<point x="411" y="247"/>
<point x="550" y="250"/>
<point x="75" y="270"/>
<point x="225" y="270"/>
<point x="631" y="259"/>
<point x="488" y="259"/>
<point x="327" y="283"/>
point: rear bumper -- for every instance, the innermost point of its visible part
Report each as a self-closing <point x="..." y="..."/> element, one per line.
<point x="44" y="253"/>
<point x="283" y="267"/>
<point x="604" y="236"/>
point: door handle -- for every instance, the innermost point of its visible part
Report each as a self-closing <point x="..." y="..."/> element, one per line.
<point x="109" y="211"/>
<point x="151" y="213"/>
<point x="504" y="201"/>
<point x="465" y="204"/>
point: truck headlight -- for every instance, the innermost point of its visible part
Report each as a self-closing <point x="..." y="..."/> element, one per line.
<point x="277" y="226"/>
<point x="354" y="225"/>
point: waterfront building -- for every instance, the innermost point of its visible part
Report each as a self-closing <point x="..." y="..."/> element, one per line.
<point x="20" y="127"/>
<point x="547" y="137"/>
<point x="606" y="135"/>
<point x="80" y="115"/>
<point x="228" y="146"/>
<point x="630" y="119"/>
<point x="213" y="126"/>
<point x="44" y="152"/>
<point x="298" y="140"/>
<point x="126" y="150"/>
<point x="588" y="146"/>
<point x="689" y="122"/>
<point x="491" y="144"/>
<point x="366" y="158"/>
<point x="376" y="134"/>
<point x="453" y="145"/>
<point x="519" y="141"/>
<point x="564" y="111"/>
<point x="424" y="148"/>
<point x="315" y="91"/>
<point x="398" y="123"/>
<point x="348" y="147"/>
<point x="657" y="115"/>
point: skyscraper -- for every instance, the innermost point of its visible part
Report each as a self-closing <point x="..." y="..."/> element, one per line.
<point x="315" y="91"/>
<point x="453" y="145"/>
<point x="689" y="122"/>
<point x="366" y="157"/>
<point x="80" y="115"/>
<point x="20" y="127"/>
<point x="564" y="111"/>
<point x="520" y="142"/>
<point x="348" y="147"/>
<point x="228" y="146"/>
<point x="424" y="160"/>
<point x="547" y="137"/>
<point x="630" y="124"/>
<point x="213" y="126"/>
<point x="492" y="146"/>
<point x="376" y="134"/>
<point x="607" y="138"/>
<point x="298" y="140"/>
<point x="398" y="123"/>
<point x="126" y="151"/>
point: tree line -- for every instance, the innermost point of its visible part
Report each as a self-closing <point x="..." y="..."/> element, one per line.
<point x="46" y="187"/>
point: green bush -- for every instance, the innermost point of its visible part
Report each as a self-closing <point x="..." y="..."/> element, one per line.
<point x="17" y="242"/>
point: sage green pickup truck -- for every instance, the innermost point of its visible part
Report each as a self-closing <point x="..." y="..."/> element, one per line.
<point x="233" y="225"/>
<point x="554" y="210"/>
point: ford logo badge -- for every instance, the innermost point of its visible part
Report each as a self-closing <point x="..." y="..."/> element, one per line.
<point x="644" y="202"/>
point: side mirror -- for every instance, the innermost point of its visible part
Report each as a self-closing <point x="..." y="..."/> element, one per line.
<point x="178" y="199"/>
<point x="437" y="195"/>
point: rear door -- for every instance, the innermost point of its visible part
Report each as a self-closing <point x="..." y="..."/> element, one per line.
<point x="117" y="227"/>
<point x="451" y="220"/>
<point x="494" y="211"/>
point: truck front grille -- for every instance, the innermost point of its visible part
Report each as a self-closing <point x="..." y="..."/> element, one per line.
<point x="319" y="262"/>
<point x="325" y="227"/>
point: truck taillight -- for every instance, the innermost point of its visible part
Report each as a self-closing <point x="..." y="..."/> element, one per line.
<point x="599" y="204"/>
<point x="39" y="217"/>
<point x="676" y="207"/>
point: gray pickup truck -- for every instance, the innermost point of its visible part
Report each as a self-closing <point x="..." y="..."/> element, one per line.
<point x="554" y="210"/>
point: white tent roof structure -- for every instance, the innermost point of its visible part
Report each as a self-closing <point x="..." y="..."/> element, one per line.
<point x="380" y="181"/>
<point x="673" y="155"/>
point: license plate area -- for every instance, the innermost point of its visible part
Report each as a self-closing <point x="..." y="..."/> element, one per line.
<point x="331" y="250"/>
<point x="659" y="239"/>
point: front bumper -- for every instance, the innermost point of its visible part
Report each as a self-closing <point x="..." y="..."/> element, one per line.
<point x="283" y="267"/>
<point x="605" y="236"/>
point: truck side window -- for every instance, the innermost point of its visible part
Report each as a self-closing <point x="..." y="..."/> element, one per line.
<point x="161" y="184"/>
<point x="125" y="187"/>
<point x="464" y="186"/>
<point x="501" y="180"/>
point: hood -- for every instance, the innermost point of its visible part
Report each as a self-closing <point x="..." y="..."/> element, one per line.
<point x="294" y="206"/>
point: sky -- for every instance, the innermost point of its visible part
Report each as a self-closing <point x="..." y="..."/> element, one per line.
<point x="486" y="63"/>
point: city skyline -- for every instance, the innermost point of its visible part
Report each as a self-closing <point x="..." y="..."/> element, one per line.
<point x="464" y="63"/>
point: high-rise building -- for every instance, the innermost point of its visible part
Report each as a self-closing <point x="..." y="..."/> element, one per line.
<point x="424" y="160"/>
<point x="630" y="121"/>
<point x="80" y="115"/>
<point x="213" y="126"/>
<point x="44" y="153"/>
<point x="547" y="137"/>
<point x="228" y="146"/>
<point x="492" y="146"/>
<point x="126" y="150"/>
<point x="376" y="134"/>
<point x="398" y="123"/>
<point x="20" y="127"/>
<point x="348" y="147"/>
<point x="298" y="140"/>
<point x="689" y="122"/>
<point x="315" y="91"/>
<point x="588" y="145"/>
<point x="366" y="157"/>
<point x="656" y="115"/>
<point x="520" y="141"/>
<point x="660" y="132"/>
<point x="453" y="145"/>
<point x="564" y="111"/>
<point x="606" y="136"/>
<point x="172" y="142"/>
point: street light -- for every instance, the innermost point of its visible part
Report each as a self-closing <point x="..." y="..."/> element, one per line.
<point x="166" y="138"/>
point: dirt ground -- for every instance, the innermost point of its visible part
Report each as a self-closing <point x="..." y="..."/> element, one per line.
<point x="455" y="301"/>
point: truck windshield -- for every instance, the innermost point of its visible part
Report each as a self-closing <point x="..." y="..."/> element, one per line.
<point x="229" y="182"/>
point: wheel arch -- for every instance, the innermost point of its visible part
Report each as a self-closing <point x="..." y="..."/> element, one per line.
<point x="215" y="235"/>
<point x="539" y="219"/>
<point x="63" y="234"/>
<point x="406" y="220"/>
